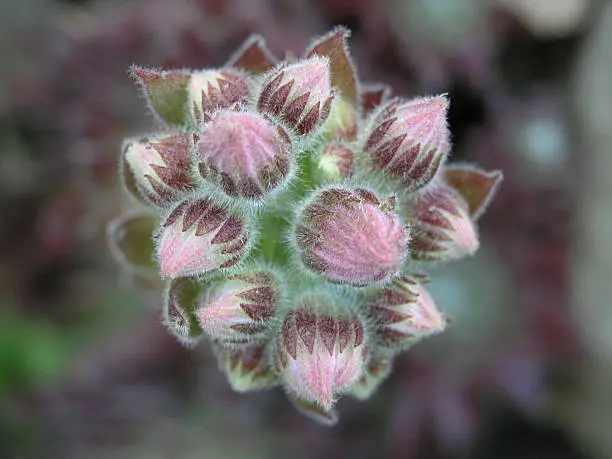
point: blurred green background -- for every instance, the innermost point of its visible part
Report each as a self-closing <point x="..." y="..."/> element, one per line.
<point x="525" y="370"/>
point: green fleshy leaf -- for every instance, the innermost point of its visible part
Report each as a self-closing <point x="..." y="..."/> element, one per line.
<point x="181" y="302"/>
<point x="343" y="74"/>
<point x="166" y="93"/>
<point x="130" y="239"/>
<point x="253" y="56"/>
<point x="474" y="185"/>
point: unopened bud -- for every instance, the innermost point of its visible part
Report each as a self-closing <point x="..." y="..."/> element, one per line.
<point x="159" y="166"/>
<point x="199" y="236"/>
<point x="300" y="93"/>
<point x="237" y="311"/>
<point x="210" y="90"/>
<point x="442" y="229"/>
<point x="320" y="351"/>
<point x="350" y="236"/>
<point x="244" y="153"/>
<point x="336" y="161"/>
<point x="247" y="369"/>
<point x="403" y="313"/>
<point x="410" y="140"/>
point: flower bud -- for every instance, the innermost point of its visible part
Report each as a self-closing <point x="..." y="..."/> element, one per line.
<point x="179" y="311"/>
<point x="210" y="90"/>
<point x="247" y="369"/>
<point x="244" y="153"/>
<point x="336" y="161"/>
<point x="199" y="236"/>
<point x="410" y="140"/>
<point x="320" y="351"/>
<point x="237" y="311"/>
<point x="159" y="166"/>
<point x="375" y="372"/>
<point x="350" y="236"/>
<point x="442" y="229"/>
<point x="300" y="93"/>
<point x="403" y="313"/>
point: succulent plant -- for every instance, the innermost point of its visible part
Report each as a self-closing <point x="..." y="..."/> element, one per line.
<point x="295" y="212"/>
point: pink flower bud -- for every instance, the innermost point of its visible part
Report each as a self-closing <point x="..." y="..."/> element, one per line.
<point x="403" y="313"/>
<point x="159" y="166"/>
<point x="350" y="236"/>
<point x="336" y="161"/>
<point x="245" y="153"/>
<point x="319" y="353"/>
<point x="210" y="90"/>
<point x="410" y="140"/>
<point x="247" y="369"/>
<point x="300" y="93"/>
<point x="238" y="310"/>
<point x="375" y="372"/>
<point x="442" y="229"/>
<point x="199" y="236"/>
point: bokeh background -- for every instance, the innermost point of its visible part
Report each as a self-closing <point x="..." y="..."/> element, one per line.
<point x="525" y="371"/>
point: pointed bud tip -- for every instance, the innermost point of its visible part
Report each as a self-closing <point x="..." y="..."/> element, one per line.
<point x="245" y="154"/>
<point x="350" y="236"/>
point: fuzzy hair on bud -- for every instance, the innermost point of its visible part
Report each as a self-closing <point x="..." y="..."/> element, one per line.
<point x="247" y="368"/>
<point x="320" y="351"/>
<point x="198" y="237"/>
<point x="442" y="229"/>
<point x="409" y="140"/>
<point x="237" y="311"/>
<point x="246" y="154"/>
<point x="210" y="90"/>
<point x="159" y="167"/>
<point x="350" y="236"/>
<point x="299" y="93"/>
<point x="403" y="313"/>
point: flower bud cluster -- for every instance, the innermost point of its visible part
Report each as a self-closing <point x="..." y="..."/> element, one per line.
<point x="291" y="202"/>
